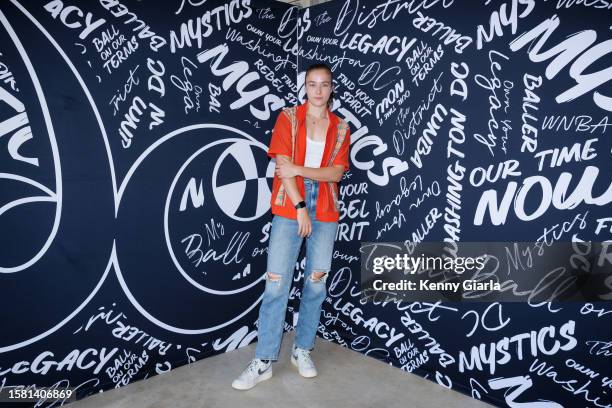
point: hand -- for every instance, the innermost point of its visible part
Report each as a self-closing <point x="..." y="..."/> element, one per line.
<point x="285" y="168"/>
<point x="304" y="222"/>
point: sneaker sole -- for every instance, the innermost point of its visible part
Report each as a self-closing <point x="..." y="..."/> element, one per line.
<point x="294" y="362"/>
<point x="263" y="377"/>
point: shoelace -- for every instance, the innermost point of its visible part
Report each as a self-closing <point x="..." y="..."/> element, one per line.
<point x="304" y="355"/>
<point x="253" y="366"/>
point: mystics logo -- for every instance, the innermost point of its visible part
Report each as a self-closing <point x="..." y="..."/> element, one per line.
<point x="187" y="209"/>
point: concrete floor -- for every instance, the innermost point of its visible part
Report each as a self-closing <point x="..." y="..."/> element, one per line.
<point x="346" y="378"/>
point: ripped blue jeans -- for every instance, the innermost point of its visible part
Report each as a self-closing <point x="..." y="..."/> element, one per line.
<point x="283" y="250"/>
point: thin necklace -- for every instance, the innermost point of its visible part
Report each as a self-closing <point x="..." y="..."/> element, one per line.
<point x="315" y="119"/>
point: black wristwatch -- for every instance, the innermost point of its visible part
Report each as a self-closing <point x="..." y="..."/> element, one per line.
<point x="301" y="204"/>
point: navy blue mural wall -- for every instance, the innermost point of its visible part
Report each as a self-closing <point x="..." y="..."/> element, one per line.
<point x="135" y="185"/>
<point x="474" y="121"/>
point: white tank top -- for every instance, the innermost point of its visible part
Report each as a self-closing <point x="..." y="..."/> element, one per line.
<point x="314" y="153"/>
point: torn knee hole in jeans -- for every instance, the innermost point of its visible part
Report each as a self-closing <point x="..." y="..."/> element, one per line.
<point x="273" y="277"/>
<point x="318" y="276"/>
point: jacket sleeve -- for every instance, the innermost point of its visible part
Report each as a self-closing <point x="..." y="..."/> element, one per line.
<point x="342" y="157"/>
<point x="280" y="143"/>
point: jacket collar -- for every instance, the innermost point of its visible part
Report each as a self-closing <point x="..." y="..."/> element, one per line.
<point x="330" y="138"/>
<point x="303" y="109"/>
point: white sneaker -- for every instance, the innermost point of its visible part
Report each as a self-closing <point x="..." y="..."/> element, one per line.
<point x="255" y="372"/>
<point x="301" y="359"/>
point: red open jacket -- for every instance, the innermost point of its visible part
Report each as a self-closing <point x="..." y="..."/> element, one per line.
<point x="336" y="151"/>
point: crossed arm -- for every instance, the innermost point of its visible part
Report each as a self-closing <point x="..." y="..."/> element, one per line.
<point x="287" y="171"/>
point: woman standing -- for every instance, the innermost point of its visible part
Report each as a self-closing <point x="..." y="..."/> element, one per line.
<point x="311" y="147"/>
